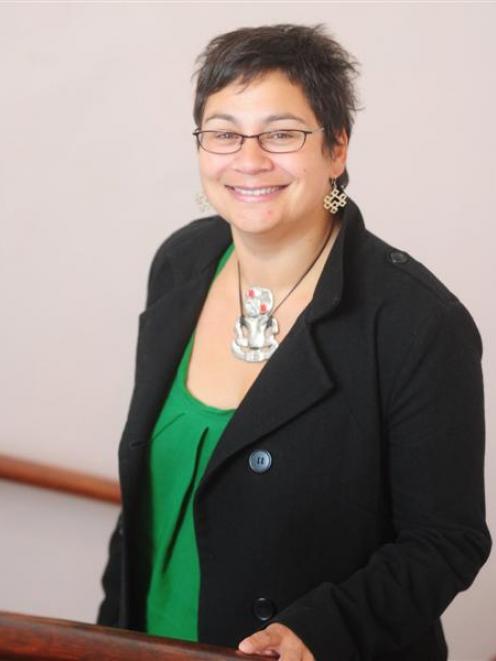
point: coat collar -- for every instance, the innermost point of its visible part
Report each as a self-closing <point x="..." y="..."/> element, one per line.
<point x="329" y="290"/>
<point x="277" y="395"/>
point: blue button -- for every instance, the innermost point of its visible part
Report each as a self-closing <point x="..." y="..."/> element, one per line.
<point x="260" y="461"/>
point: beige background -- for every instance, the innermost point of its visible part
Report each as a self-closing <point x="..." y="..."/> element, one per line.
<point x="97" y="166"/>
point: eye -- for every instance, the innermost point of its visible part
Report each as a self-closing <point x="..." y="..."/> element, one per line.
<point x="281" y="135"/>
<point x="225" y="135"/>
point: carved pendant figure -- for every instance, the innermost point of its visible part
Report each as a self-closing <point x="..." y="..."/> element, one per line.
<point x="254" y="339"/>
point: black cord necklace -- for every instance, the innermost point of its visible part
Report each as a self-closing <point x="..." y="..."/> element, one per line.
<point x="255" y="328"/>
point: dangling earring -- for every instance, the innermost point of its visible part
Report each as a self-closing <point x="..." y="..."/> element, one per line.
<point x="335" y="199"/>
<point x="202" y="202"/>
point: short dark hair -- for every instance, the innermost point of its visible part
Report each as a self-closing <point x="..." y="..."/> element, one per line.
<point x="309" y="57"/>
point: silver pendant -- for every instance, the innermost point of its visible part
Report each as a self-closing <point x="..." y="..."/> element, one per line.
<point x="254" y="331"/>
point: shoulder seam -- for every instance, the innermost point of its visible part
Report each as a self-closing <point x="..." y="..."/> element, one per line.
<point x="441" y="292"/>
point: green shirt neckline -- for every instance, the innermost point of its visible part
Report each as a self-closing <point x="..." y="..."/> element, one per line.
<point x="187" y="394"/>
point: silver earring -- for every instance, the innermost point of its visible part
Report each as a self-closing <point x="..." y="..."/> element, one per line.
<point x="202" y="202"/>
<point x="335" y="199"/>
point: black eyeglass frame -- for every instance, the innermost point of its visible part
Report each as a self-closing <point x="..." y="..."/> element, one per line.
<point x="198" y="132"/>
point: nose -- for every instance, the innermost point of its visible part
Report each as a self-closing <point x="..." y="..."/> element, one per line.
<point x="251" y="157"/>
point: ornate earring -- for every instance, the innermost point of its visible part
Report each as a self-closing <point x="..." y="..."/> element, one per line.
<point x="202" y="202"/>
<point x="335" y="199"/>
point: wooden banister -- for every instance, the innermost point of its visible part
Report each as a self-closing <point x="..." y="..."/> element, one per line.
<point x="46" y="639"/>
<point x="61" y="479"/>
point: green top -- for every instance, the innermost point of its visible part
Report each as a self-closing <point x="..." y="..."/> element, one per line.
<point x="184" y="437"/>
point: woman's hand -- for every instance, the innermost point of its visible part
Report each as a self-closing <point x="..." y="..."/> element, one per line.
<point x="277" y="640"/>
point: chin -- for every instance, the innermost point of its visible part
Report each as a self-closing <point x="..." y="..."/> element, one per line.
<point x="253" y="223"/>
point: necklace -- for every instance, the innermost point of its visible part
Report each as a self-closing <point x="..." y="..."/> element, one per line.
<point x="254" y="330"/>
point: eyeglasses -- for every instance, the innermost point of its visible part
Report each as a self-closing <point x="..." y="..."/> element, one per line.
<point x="275" y="142"/>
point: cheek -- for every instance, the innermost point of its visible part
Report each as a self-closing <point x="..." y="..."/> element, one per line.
<point x="309" y="172"/>
<point x="212" y="168"/>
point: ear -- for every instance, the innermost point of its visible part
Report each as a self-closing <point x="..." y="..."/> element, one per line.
<point x="339" y="155"/>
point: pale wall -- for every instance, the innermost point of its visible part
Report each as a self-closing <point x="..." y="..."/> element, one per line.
<point x="97" y="166"/>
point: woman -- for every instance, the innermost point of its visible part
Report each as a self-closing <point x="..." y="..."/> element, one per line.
<point x="302" y="465"/>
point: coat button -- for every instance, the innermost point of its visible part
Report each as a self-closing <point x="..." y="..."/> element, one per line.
<point x="398" y="257"/>
<point x="260" y="461"/>
<point x="263" y="608"/>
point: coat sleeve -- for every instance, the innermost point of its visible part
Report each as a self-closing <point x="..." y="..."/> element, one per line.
<point x="108" y="613"/>
<point x="435" y="440"/>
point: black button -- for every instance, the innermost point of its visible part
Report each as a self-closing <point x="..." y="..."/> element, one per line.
<point x="263" y="608"/>
<point x="398" y="257"/>
<point x="260" y="461"/>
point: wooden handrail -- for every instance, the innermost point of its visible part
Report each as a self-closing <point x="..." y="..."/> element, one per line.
<point x="47" y="476"/>
<point x="46" y="639"/>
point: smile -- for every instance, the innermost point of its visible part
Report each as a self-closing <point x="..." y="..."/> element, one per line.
<point x="266" y="192"/>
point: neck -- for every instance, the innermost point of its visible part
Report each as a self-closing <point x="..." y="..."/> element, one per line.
<point x="278" y="262"/>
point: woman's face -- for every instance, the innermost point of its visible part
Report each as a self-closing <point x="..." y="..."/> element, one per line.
<point x="302" y="178"/>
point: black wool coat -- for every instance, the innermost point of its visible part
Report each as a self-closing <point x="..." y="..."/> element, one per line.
<point x="370" y="518"/>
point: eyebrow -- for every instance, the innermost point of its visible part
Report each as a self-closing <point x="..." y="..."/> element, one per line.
<point x="266" y="120"/>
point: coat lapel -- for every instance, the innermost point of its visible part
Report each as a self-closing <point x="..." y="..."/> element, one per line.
<point x="292" y="380"/>
<point x="164" y="331"/>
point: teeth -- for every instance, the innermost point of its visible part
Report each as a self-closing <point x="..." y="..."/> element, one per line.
<point x="256" y="191"/>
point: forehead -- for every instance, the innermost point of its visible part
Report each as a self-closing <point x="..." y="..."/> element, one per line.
<point x="266" y="99"/>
